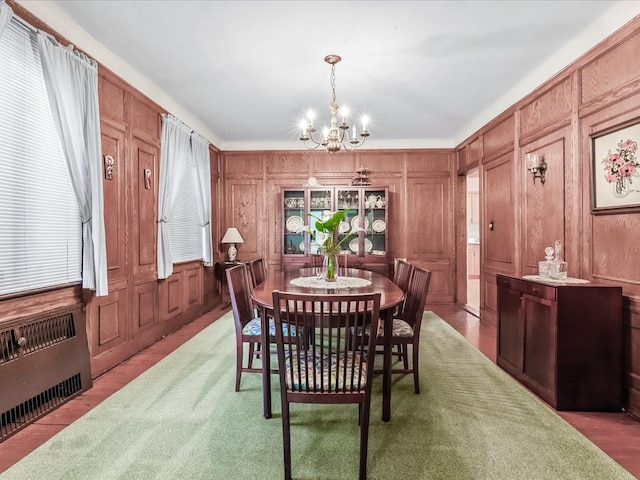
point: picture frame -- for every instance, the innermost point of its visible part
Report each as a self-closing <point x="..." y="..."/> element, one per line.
<point x="615" y="171"/>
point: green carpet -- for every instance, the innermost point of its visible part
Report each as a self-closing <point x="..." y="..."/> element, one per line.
<point x="182" y="420"/>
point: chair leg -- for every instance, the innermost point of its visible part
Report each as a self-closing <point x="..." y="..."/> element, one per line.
<point x="364" y="439"/>
<point x="405" y="355"/>
<point x="251" y="353"/>
<point x="286" y="439"/>
<point x="239" y="352"/>
<point x="414" y="358"/>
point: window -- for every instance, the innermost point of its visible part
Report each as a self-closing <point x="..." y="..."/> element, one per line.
<point x="186" y="231"/>
<point x="40" y="228"/>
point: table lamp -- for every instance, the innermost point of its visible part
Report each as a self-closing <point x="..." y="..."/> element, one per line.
<point x="232" y="236"/>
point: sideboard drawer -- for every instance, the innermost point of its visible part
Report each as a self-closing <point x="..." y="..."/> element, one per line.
<point x="530" y="288"/>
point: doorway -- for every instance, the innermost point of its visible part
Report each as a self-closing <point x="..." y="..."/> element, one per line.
<point x="473" y="241"/>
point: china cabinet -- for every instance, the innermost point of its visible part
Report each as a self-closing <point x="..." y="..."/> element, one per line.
<point x="563" y="341"/>
<point x="366" y="207"/>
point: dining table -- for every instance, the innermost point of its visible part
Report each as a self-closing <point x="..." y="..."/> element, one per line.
<point x="310" y="280"/>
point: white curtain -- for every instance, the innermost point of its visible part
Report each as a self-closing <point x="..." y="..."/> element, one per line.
<point x="72" y="86"/>
<point x="201" y="159"/>
<point x="175" y="148"/>
<point x="5" y="15"/>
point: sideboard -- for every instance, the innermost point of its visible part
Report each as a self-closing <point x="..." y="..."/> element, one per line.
<point x="563" y="341"/>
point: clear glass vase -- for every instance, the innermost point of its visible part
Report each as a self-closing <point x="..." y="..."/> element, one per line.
<point x="622" y="187"/>
<point x="330" y="267"/>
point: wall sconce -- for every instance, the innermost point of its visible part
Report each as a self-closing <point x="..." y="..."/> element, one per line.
<point x="537" y="168"/>
<point x="232" y="236"/>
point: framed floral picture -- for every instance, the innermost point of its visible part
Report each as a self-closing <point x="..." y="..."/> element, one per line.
<point x="615" y="171"/>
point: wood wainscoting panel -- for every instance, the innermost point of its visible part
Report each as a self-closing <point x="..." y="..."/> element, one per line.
<point x="489" y="303"/>
<point x="442" y="283"/>
<point x="498" y="228"/>
<point x="144" y="162"/>
<point x="611" y="70"/>
<point x="475" y="152"/>
<point x="288" y="163"/>
<point x="430" y="162"/>
<point x="193" y="287"/>
<point x="469" y="157"/>
<point x="544" y="210"/>
<point x="244" y="210"/>
<point x="463" y="158"/>
<point x="145" y="307"/>
<point x="326" y="165"/>
<point x="115" y="204"/>
<point x="499" y="138"/>
<point x="172" y="296"/>
<point x="145" y="118"/>
<point x="615" y="255"/>
<point x="382" y="164"/>
<point x="429" y="222"/>
<point x="242" y="165"/>
<point x="110" y="322"/>
<point x="109" y="326"/>
<point x="552" y="106"/>
<point x="429" y="233"/>
<point x="112" y="96"/>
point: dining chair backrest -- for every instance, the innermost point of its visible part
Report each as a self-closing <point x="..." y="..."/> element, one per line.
<point x="239" y="291"/>
<point x="402" y="274"/>
<point x="316" y="260"/>
<point x="328" y="319"/>
<point x="416" y="297"/>
<point x="258" y="271"/>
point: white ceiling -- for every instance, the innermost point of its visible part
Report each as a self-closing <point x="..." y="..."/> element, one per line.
<point x="243" y="73"/>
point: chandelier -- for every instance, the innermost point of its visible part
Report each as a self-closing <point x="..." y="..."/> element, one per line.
<point x="335" y="136"/>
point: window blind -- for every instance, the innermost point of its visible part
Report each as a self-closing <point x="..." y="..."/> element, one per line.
<point x="40" y="228"/>
<point x="186" y="232"/>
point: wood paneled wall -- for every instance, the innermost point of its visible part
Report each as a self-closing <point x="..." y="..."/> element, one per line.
<point x="421" y="191"/>
<point x="139" y="309"/>
<point x="596" y="94"/>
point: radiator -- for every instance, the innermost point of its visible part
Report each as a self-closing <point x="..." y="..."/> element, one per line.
<point x="44" y="361"/>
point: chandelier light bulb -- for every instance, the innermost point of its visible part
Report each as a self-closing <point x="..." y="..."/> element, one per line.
<point x="345" y="114"/>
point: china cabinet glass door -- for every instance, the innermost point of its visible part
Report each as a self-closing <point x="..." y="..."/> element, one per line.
<point x="375" y="221"/>
<point x="349" y="199"/>
<point x="320" y="201"/>
<point x="294" y="218"/>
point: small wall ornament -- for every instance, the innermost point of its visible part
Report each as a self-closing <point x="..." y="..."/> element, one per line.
<point x="147" y="179"/>
<point x="109" y="167"/>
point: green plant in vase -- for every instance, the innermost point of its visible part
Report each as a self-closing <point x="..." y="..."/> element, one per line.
<point x="327" y="236"/>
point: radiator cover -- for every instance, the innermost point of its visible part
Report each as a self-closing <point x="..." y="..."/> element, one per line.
<point x="44" y="361"/>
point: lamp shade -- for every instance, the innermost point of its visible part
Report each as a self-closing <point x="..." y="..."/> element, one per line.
<point x="232" y="235"/>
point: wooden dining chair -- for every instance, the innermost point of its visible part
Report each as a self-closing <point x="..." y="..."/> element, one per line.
<point x="258" y="271"/>
<point x="329" y="367"/>
<point x="407" y="323"/>
<point x="248" y="325"/>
